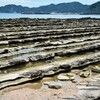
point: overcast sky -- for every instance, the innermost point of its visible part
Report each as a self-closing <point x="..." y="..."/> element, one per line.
<point x="35" y="3"/>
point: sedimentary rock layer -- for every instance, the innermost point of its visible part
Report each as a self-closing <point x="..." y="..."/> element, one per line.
<point x="35" y="48"/>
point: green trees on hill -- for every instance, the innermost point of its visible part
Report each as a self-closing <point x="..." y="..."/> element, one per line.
<point x="72" y="7"/>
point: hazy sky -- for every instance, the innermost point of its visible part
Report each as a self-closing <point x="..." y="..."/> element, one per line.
<point x="35" y="3"/>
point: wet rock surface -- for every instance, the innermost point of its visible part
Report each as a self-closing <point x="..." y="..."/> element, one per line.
<point x="53" y="85"/>
<point x="32" y="49"/>
<point x="54" y="89"/>
<point x="90" y="90"/>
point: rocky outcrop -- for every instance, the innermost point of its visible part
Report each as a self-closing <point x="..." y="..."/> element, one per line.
<point x="34" y="48"/>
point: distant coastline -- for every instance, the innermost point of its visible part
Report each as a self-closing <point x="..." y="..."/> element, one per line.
<point x="28" y="13"/>
<point x="33" y="13"/>
<point x="62" y="8"/>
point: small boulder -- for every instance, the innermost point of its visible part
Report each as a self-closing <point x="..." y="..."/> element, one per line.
<point x="70" y="74"/>
<point x="53" y="85"/>
<point x="84" y="74"/>
<point x="63" y="78"/>
<point x="96" y="69"/>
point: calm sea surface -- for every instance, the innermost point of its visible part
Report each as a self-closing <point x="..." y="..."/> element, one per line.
<point x="14" y="15"/>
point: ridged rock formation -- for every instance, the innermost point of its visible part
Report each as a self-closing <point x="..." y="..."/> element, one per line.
<point x="34" y="48"/>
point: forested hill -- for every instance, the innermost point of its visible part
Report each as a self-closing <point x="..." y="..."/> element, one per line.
<point x="94" y="8"/>
<point x="72" y="7"/>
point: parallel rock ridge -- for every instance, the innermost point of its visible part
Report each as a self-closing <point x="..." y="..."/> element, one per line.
<point x="34" y="48"/>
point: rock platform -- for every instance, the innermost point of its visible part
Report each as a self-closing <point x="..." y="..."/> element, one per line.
<point x="31" y="49"/>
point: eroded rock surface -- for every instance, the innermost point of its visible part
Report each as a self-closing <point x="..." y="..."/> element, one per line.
<point x="31" y="49"/>
<point x="90" y="90"/>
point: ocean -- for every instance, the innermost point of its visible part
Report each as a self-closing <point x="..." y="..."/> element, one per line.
<point x="62" y="16"/>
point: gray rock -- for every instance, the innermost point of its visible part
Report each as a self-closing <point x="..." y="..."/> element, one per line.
<point x="96" y="69"/>
<point x="63" y="78"/>
<point x="84" y="74"/>
<point x="53" y="85"/>
<point x="70" y="74"/>
<point x="18" y="61"/>
<point x="90" y="90"/>
<point x="33" y="74"/>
